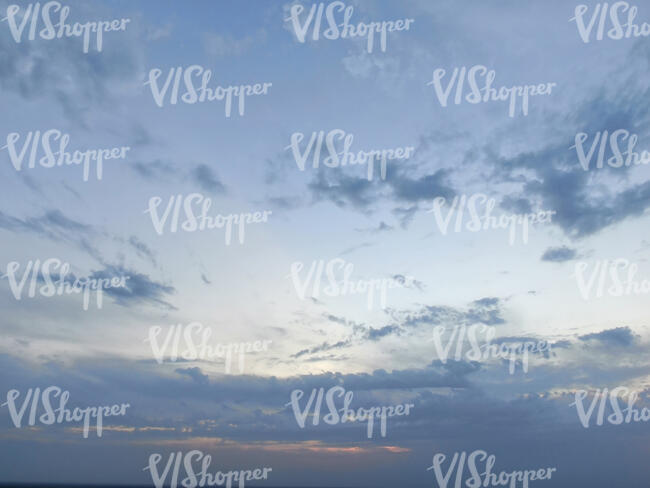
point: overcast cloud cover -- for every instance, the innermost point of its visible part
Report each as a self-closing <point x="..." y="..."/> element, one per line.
<point x="244" y="292"/>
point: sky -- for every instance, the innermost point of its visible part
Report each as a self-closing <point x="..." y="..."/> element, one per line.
<point x="247" y="288"/>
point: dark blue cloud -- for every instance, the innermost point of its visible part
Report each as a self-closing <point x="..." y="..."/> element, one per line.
<point x="139" y="287"/>
<point x="195" y="373"/>
<point x="559" y="254"/>
<point x="207" y="179"/>
<point x="620" y="336"/>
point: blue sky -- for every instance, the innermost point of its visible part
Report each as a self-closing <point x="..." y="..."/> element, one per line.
<point x="244" y="292"/>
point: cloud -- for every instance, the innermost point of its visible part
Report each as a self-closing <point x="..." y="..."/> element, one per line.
<point x="207" y="179"/>
<point x="343" y="190"/>
<point x="217" y="46"/>
<point x="325" y="346"/>
<point x="276" y="169"/>
<point x="54" y="225"/>
<point x="460" y="401"/>
<point x="142" y="249"/>
<point x="195" y="373"/>
<point x="327" y="357"/>
<point x="376" y="334"/>
<point x="516" y="205"/>
<point x="405" y="215"/>
<point x="154" y="170"/>
<point x="139" y="288"/>
<point x="285" y="203"/>
<point x="620" y="336"/>
<point x="426" y="187"/>
<point x="355" y="248"/>
<point x="58" y="227"/>
<point x="485" y="311"/>
<point x="337" y="320"/>
<point x="559" y="254"/>
<point x="551" y="177"/>
<point x="400" y="278"/>
<point x="140" y="136"/>
<point x="155" y="33"/>
<point x="71" y="190"/>
<point x="360" y="194"/>
<point x="31" y="183"/>
<point x="382" y="227"/>
<point x="60" y="71"/>
<point x="165" y="171"/>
